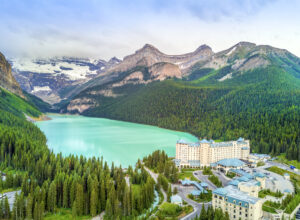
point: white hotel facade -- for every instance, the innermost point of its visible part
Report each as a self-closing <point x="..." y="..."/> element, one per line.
<point x="204" y="152"/>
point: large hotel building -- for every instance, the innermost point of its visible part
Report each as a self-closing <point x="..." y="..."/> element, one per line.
<point x="205" y="153"/>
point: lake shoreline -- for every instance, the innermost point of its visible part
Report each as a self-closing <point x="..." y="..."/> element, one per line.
<point x="117" y="141"/>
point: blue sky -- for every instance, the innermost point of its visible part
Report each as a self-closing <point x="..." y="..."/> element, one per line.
<point x="106" y="28"/>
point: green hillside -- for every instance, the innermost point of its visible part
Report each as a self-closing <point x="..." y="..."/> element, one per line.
<point x="261" y="104"/>
<point x="14" y="104"/>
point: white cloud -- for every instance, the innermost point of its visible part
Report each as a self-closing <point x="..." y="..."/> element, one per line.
<point x="117" y="28"/>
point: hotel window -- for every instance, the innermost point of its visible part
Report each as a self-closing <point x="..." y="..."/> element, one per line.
<point x="246" y="215"/>
<point x="240" y="203"/>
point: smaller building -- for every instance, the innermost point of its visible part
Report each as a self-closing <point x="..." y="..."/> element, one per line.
<point x="255" y="158"/>
<point x="199" y="186"/>
<point x="226" y="164"/>
<point x="176" y="199"/>
<point x="238" y="204"/>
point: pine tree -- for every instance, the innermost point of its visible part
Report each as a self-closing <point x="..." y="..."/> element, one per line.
<point x="169" y="194"/>
<point x="93" y="203"/>
<point x="36" y="214"/>
<point x="1" y="208"/>
<point x="66" y="194"/>
<point x="102" y="196"/>
<point x="74" y="209"/>
<point x="29" y="207"/>
<point x="108" y="208"/>
<point x="203" y="215"/>
<point x="79" y="200"/>
<point x="6" y="208"/>
<point x="51" y="202"/>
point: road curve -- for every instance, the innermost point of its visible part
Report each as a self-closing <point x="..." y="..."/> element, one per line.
<point x="155" y="176"/>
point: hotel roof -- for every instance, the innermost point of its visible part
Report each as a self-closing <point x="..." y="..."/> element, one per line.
<point x="240" y="139"/>
<point x="234" y="162"/>
<point x="196" y="193"/>
<point x="196" y="184"/>
<point x="204" y="141"/>
<point x="234" y="182"/>
<point x="235" y="196"/>
<point x="251" y="183"/>
<point x="182" y="141"/>
<point x="243" y="179"/>
<point x="260" y="175"/>
<point x="212" y="143"/>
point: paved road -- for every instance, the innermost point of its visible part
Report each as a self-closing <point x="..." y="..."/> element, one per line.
<point x="155" y="176"/>
<point x="204" y="178"/>
<point x="196" y="206"/>
<point x="224" y="179"/>
<point x="11" y="197"/>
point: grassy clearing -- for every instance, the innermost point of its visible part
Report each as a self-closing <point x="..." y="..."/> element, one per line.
<point x="64" y="214"/>
<point x="269" y="209"/>
<point x="187" y="175"/>
<point x="230" y="175"/>
<point x="172" y="211"/>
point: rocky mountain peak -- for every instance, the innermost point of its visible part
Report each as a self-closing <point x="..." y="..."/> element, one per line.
<point x="114" y="60"/>
<point x="148" y="49"/>
<point x="7" y="80"/>
<point x="245" y="44"/>
<point x="203" y="47"/>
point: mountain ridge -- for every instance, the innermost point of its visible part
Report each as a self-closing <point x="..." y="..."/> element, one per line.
<point x="247" y="90"/>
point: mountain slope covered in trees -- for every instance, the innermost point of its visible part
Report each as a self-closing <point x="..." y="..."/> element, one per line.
<point x="260" y="102"/>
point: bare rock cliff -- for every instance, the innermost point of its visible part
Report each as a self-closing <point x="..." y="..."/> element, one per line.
<point x="7" y="80"/>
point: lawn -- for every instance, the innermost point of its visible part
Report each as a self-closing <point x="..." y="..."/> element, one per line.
<point x="230" y="175"/>
<point x="63" y="214"/>
<point x="187" y="175"/>
<point x="282" y="159"/>
<point x="269" y="209"/>
<point x="172" y="211"/>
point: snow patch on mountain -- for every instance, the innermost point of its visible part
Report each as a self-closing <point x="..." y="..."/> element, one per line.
<point x="74" y="71"/>
<point x="41" y="88"/>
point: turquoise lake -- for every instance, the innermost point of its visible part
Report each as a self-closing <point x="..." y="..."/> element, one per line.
<point x="117" y="141"/>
